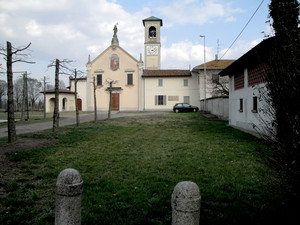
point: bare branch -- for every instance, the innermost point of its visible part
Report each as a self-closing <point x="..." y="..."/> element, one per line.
<point x="16" y="55"/>
<point x="24" y="61"/>
<point x="109" y="81"/>
<point x="22" y="49"/>
<point x="64" y="66"/>
<point x="79" y="72"/>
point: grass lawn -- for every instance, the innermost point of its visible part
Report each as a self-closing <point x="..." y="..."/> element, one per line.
<point x="130" y="167"/>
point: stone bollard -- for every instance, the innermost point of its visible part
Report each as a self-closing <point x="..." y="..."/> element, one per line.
<point x="186" y="204"/>
<point x="68" y="198"/>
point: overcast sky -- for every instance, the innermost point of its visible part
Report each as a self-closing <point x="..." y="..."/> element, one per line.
<point x="74" y="29"/>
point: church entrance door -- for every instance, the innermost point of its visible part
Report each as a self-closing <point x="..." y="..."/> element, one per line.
<point x="115" y="101"/>
<point x="79" y="104"/>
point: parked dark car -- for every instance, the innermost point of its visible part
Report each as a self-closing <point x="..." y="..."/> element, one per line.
<point x="184" y="107"/>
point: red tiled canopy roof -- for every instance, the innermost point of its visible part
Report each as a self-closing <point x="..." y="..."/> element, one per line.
<point x="166" y="73"/>
<point x="51" y="91"/>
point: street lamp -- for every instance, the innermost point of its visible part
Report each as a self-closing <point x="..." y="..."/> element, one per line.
<point x="204" y="108"/>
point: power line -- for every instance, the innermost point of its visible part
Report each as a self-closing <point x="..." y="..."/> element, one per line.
<point x="243" y="29"/>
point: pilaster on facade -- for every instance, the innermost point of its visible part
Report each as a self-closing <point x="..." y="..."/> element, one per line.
<point x="88" y="86"/>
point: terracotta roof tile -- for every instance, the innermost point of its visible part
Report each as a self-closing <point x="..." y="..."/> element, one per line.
<point x="166" y="73"/>
<point x="217" y="64"/>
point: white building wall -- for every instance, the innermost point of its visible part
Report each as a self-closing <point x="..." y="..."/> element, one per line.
<point x="69" y="102"/>
<point x="217" y="106"/>
<point x="247" y="119"/>
<point x="81" y="92"/>
<point x="174" y="90"/>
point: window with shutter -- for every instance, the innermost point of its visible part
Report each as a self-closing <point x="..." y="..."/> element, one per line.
<point x="160" y="100"/>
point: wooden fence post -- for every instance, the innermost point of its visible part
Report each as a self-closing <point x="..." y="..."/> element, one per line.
<point x="186" y="204"/>
<point x="68" y="198"/>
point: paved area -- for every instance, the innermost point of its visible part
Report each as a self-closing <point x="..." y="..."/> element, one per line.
<point x="71" y="119"/>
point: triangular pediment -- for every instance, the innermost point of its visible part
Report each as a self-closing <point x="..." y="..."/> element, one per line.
<point x="113" y="49"/>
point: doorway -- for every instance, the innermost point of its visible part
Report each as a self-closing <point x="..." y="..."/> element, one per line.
<point x="115" y="101"/>
<point x="79" y="104"/>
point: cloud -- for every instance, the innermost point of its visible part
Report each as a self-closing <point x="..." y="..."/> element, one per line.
<point x="33" y="29"/>
<point x="198" y="12"/>
<point x="239" y="49"/>
<point x="33" y="5"/>
<point x="183" y="54"/>
<point x="4" y="28"/>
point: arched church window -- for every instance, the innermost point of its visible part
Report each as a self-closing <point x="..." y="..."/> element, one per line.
<point x="152" y="32"/>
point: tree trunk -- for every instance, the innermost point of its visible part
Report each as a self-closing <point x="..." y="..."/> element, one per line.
<point x="76" y="103"/>
<point x="12" y="136"/>
<point x="56" y="103"/>
<point x="95" y="100"/>
<point x="109" y="107"/>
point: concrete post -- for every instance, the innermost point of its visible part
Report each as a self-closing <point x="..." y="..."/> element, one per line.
<point x="68" y="198"/>
<point x="186" y="204"/>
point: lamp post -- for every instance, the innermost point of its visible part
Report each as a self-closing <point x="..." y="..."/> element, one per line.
<point x="204" y="107"/>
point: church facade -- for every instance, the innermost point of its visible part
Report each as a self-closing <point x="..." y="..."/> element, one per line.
<point x="115" y="67"/>
<point x="137" y="85"/>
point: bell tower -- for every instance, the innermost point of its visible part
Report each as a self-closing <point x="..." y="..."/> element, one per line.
<point x="152" y="42"/>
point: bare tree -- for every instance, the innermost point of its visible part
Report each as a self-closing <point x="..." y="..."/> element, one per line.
<point x="3" y="88"/>
<point x="76" y="100"/>
<point x="62" y="84"/>
<point x="33" y="90"/>
<point x="44" y="87"/>
<point x="110" y="82"/>
<point x="61" y="67"/>
<point x="12" y="55"/>
<point x="56" y="103"/>
<point x="18" y="89"/>
<point x="220" y="85"/>
<point x="49" y="86"/>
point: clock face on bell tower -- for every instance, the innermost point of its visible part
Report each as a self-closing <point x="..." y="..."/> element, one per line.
<point x="152" y="42"/>
<point x="152" y="50"/>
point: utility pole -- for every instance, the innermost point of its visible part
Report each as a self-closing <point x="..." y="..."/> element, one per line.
<point x="204" y="74"/>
